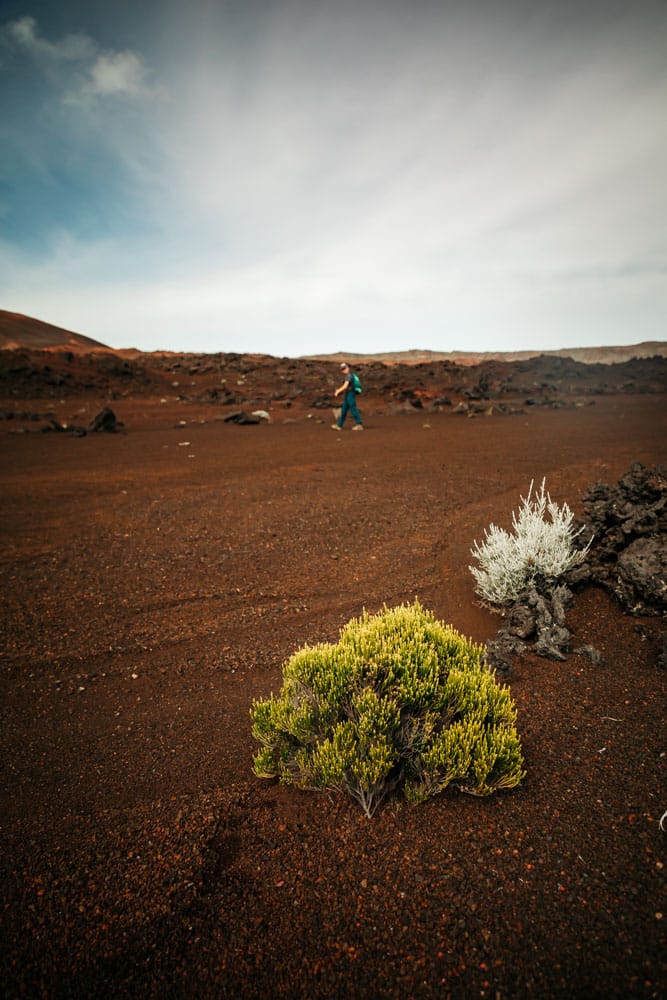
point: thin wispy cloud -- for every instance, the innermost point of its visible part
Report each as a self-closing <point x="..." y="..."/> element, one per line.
<point x="114" y="74"/>
<point x="87" y="72"/>
<point x="24" y="33"/>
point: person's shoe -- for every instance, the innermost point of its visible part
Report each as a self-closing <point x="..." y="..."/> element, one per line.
<point x="358" y="427"/>
<point x="335" y="427"/>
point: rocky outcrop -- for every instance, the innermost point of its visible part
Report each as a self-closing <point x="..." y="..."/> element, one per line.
<point x="628" y="554"/>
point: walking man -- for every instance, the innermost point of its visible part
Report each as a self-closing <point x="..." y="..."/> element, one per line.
<point x="350" y="387"/>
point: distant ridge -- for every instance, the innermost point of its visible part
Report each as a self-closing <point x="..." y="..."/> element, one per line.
<point x="24" y="332"/>
<point x="585" y="355"/>
<point x="18" y="331"/>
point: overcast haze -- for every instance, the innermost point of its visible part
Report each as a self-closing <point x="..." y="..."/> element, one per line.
<point x="306" y="177"/>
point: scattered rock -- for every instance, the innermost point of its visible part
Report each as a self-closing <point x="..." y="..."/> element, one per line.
<point x="501" y="650"/>
<point x="105" y="421"/>
<point x="592" y="653"/>
<point x="240" y="417"/>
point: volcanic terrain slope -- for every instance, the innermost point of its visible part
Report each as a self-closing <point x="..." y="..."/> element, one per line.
<point x="159" y="569"/>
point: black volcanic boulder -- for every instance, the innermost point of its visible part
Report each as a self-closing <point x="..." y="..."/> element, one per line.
<point x="106" y="421"/>
<point x="628" y="554"/>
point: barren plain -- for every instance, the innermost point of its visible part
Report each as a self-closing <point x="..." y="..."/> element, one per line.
<point x="155" y="580"/>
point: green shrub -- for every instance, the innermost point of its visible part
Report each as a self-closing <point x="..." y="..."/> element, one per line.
<point x="400" y="702"/>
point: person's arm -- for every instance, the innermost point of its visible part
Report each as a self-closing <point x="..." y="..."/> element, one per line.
<point x="343" y="387"/>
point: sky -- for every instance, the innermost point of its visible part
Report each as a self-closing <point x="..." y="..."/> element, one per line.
<point x="303" y="177"/>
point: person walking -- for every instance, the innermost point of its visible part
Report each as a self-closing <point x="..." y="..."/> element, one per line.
<point x="350" y="387"/>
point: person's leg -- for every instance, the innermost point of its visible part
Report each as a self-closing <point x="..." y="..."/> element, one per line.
<point x="354" y="411"/>
<point x="343" y="411"/>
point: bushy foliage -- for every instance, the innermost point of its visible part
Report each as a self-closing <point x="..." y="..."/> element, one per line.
<point x="401" y="702"/>
<point x="538" y="551"/>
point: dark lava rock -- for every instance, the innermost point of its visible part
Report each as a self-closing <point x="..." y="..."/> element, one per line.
<point x="594" y="655"/>
<point x="240" y="417"/>
<point x="500" y="651"/>
<point x="105" y="421"/>
<point x="521" y="622"/>
<point x="628" y="554"/>
<point x="642" y="575"/>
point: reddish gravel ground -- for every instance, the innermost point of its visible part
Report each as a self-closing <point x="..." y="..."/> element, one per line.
<point x="154" y="583"/>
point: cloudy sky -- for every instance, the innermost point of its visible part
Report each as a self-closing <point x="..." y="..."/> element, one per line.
<point x="304" y="176"/>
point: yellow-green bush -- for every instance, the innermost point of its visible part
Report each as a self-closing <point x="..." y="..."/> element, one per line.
<point x="400" y="702"/>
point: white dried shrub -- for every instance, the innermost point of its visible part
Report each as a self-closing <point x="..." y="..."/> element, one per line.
<point x="538" y="551"/>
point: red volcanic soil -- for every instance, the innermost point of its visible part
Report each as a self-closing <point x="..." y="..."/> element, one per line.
<point x="156" y="579"/>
